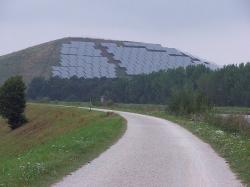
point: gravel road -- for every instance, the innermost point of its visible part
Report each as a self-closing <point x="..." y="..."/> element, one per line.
<point x="154" y="152"/>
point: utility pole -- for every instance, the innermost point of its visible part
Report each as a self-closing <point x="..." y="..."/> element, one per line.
<point x="90" y="104"/>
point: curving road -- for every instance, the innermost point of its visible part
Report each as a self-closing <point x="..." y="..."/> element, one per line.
<point x="154" y="152"/>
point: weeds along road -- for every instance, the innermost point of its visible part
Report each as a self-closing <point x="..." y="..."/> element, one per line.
<point x="154" y="152"/>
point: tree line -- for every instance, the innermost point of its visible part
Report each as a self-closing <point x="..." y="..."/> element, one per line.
<point x="227" y="86"/>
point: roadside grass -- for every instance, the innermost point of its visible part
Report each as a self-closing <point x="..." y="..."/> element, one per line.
<point x="55" y="142"/>
<point x="138" y="108"/>
<point x="70" y="103"/>
<point x="234" y="147"/>
<point x="231" y="145"/>
<point x="232" y="123"/>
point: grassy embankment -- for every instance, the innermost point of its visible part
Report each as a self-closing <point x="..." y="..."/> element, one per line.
<point x="233" y="146"/>
<point x="55" y="142"/>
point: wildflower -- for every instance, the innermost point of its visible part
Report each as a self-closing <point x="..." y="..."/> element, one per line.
<point x="219" y="132"/>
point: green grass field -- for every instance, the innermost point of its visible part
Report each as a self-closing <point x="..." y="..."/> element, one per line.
<point x="54" y="142"/>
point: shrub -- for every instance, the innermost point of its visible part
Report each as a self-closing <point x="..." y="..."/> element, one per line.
<point x="186" y="101"/>
<point x="109" y="102"/>
<point x="12" y="101"/>
<point x="96" y="102"/>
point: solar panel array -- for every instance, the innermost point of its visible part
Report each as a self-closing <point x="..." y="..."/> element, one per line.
<point x="82" y="59"/>
<point x="144" y="45"/>
<point x="85" y="59"/>
<point x="139" y="58"/>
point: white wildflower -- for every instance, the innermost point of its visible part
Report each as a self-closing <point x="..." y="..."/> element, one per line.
<point x="219" y="132"/>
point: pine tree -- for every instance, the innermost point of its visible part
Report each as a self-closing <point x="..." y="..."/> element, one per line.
<point x="12" y="101"/>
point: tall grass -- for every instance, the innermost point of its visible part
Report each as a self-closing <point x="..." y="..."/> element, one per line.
<point x="233" y="110"/>
<point x="231" y="123"/>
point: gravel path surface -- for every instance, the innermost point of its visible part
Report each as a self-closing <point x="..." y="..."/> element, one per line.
<point x="154" y="152"/>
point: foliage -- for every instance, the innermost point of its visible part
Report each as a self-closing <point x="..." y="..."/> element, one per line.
<point x="187" y="101"/>
<point x="228" y="86"/>
<point x="12" y="101"/>
<point x="109" y="103"/>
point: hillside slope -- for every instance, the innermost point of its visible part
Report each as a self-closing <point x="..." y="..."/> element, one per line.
<point x="31" y="62"/>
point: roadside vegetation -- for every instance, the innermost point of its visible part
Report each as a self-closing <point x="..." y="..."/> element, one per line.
<point x="232" y="123"/>
<point x="54" y="142"/>
<point x="187" y="101"/>
<point x="231" y="145"/>
<point x="232" y="110"/>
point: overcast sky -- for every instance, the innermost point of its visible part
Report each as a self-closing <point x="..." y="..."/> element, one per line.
<point x="216" y="30"/>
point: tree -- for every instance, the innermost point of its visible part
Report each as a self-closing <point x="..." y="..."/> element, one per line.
<point x="38" y="88"/>
<point x="12" y="101"/>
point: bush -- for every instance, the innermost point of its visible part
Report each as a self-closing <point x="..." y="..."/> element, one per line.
<point x="96" y="102"/>
<point x="12" y="101"/>
<point x="109" y="102"/>
<point x="186" y="101"/>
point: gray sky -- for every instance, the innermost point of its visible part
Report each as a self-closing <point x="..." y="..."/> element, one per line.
<point x="216" y="30"/>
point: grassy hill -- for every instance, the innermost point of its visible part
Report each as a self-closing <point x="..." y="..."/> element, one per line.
<point x="53" y="143"/>
<point x="31" y="62"/>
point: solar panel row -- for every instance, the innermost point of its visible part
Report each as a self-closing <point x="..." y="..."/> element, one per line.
<point x="89" y="71"/>
<point x="82" y="59"/>
<point x="147" y="46"/>
<point x="80" y="49"/>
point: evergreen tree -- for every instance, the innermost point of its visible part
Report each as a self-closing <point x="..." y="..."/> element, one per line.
<point x="12" y="101"/>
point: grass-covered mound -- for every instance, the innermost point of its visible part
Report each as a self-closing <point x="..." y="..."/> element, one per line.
<point x="54" y="142"/>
